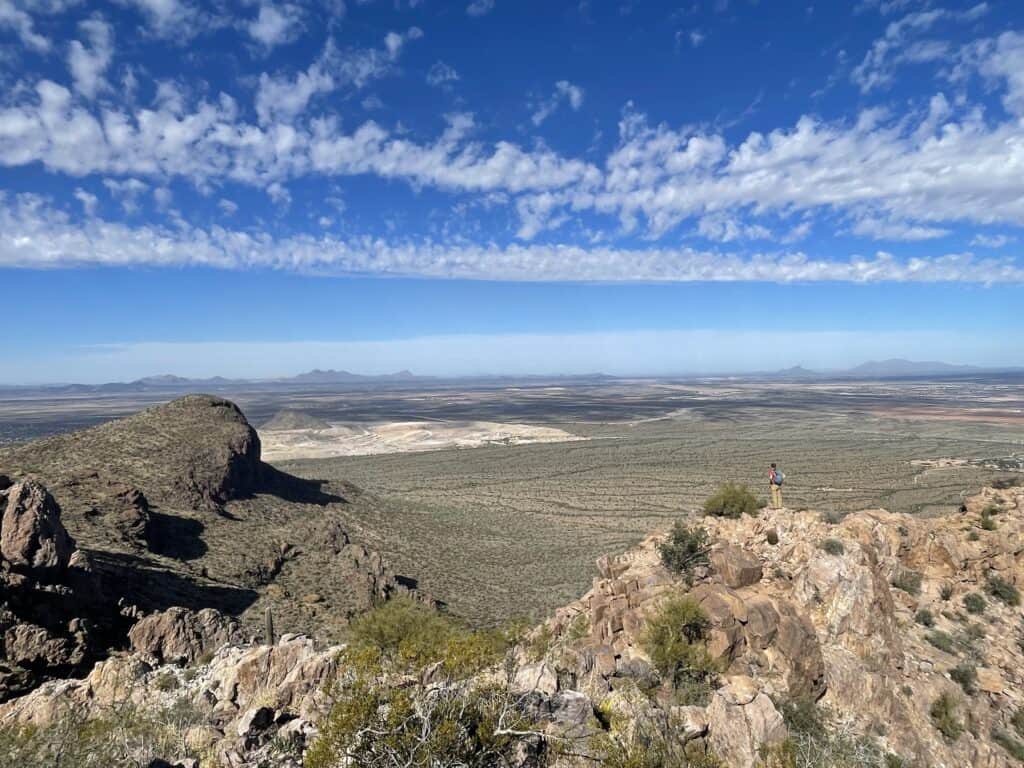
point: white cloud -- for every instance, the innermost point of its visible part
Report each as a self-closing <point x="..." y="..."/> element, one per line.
<point x="896" y="230"/>
<point x="227" y="207"/>
<point x="127" y="191"/>
<point x="394" y="41"/>
<point x="565" y="92"/>
<point x="87" y="200"/>
<point x="992" y="241"/>
<point x="88" y="64"/>
<point x="20" y="22"/>
<point x="163" y="197"/>
<point x="275" y="25"/>
<point x="480" y="7"/>
<point x="33" y="234"/>
<point x="169" y="18"/>
<point x="894" y="47"/>
<point x="285" y="97"/>
<point x="280" y="195"/>
<point x="696" y="38"/>
<point x="441" y="74"/>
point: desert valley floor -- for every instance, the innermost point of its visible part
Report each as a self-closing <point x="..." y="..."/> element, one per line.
<point x="498" y="496"/>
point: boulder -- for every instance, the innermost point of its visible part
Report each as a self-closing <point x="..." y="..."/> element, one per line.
<point x="741" y="720"/>
<point x="180" y="636"/>
<point x="536" y="677"/>
<point x="32" y="538"/>
<point x="737" y="567"/>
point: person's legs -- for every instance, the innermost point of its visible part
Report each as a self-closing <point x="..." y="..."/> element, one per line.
<point x="776" y="496"/>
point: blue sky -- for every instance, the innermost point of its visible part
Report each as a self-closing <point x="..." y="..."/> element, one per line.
<point x="255" y="188"/>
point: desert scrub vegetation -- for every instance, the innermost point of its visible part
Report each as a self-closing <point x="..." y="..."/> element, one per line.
<point x="833" y="547"/>
<point x="385" y="714"/>
<point x="1013" y="746"/>
<point x="685" y="549"/>
<point x="943" y="712"/>
<point x="1003" y="590"/>
<point x="651" y="743"/>
<point x="974" y="603"/>
<point x="907" y="580"/>
<point x="941" y="640"/>
<point x="925" y="618"/>
<point x="674" y="640"/>
<point x="966" y="676"/>
<point x="731" y="500"/>
<point x="122" y="734"/>
<point x="814" y="742"/>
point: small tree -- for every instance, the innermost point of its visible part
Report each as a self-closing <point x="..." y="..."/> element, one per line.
<point x="731" y="500"/>
<point x="685" y="549"/>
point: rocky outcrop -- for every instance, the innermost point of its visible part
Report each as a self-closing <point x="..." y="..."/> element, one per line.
<point x="180" y="636"/>
<point x="53" y="618"/>
<point x="32" y="540"/>
<point x="245" y="701"/>
<point x="840" y="613"/>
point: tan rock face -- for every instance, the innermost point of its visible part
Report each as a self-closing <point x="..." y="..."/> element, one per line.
<point x="32" y="538"/>
<point x="737" y="567"/>
<point x="742" y="720"/>
<point x="180" y="636"/>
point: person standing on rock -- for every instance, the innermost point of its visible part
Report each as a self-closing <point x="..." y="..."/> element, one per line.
<point x="775" y="478"/>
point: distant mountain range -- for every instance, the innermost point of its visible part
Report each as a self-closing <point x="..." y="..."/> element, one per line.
<point x="894" y="368"/>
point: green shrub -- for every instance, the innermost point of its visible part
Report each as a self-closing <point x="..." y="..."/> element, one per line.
<point x="966" y="675"/>
<point x="944" y="717"/>
<point x="946" y="591"/>
<point x="1010" y="744"/>
<point x="974" y="603"/>
<point x="731" y="500"/>
<point x="833" y="546"/>
<point x="674" y="640"/>
<point x="685" y="549"/>
<point x="907" y="580"/>
<point x="987" y="521"/>
<point x="772" y="537"/>
<point x="941" y="640"/>
<point x="1003" y="590"/>
<point x="925" y="618"/>
<point x="165" y="681"/>
<point x="404" y="635"/>
<point x="973" y="536"/>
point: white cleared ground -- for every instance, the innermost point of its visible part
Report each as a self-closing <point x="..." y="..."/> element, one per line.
<point x="400" y="437"/>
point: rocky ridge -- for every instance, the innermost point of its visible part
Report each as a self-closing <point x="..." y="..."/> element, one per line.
<point x="171" y="508"/>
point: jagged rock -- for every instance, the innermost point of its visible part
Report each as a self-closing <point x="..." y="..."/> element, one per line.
<point x="691" y="721"/>
<point x="540" y="677"/>
<point x="180" y="636"/>
<point x="742" y="720"/>
<point x="254" y="721"/>
<point x="32" y="538"/>
<point x="736" y="567"/>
